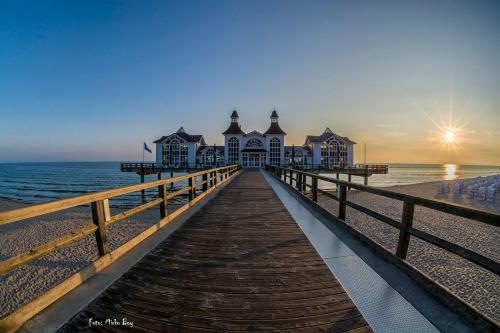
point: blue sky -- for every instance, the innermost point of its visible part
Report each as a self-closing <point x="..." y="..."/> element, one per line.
<point x="83" y="80"/>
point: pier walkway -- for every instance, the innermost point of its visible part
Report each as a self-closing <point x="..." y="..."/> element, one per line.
<point x="241" y="263"/>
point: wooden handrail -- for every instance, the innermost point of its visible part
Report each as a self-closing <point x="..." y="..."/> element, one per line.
<point x="455" y="209"/>
<point x="406" y="230"/>
<point x="58" y="205"/>
<point x="100" y="213"/>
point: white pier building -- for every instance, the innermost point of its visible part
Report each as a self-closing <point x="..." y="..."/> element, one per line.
<point x="254" y="149"/>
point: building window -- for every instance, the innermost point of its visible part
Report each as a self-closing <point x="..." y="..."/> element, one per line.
<point x="342" y="154"/>
<point x="209" y="157"/>
<point x="233" y="150"/>
<point x="164" y="154"/>
<point x="175" y="153"/>
<point x="330" y="153"/>
<point x="254" y="143"/>
<point x="275" y="151"/>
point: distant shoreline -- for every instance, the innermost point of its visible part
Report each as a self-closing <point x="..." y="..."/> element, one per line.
<point x="424" y="189"/>
<point x="409" y="164"/>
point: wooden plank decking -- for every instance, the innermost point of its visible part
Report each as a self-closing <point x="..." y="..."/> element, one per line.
<point x="239" y="264"/>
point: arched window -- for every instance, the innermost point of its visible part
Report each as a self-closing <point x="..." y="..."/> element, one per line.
<point x="174" y="153"/>
<point x="254" y="143"/>
<point x="330" y="153"/>
<point x="233" y="150"/>
<point x="275" y="151"/>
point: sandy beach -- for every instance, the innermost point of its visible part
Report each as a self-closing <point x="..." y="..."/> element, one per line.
<point x="475" y="285"/>
<point x="27" y="282"/>
<point x="472" y="283"/>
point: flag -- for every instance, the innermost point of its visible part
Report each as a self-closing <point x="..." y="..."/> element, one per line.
<point x="146" y="148"/>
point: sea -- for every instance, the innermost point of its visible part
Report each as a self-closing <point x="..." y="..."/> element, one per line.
<point x="43" y="182"/>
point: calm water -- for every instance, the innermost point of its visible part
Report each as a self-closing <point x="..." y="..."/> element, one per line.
<point x="41" y="182"/>
<point x="405" y="174"/>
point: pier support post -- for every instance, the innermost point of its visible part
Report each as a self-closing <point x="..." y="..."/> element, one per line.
<point x="159" y="175"/>
<point x="192" y="191"/>
<point x="406" y="223"/>
<point x="349" y="177"/>
<point x="162" y="193"/>
<point x="143" y="191"/>
<point x="99" y="219"/>
<point x="204" y="178"/>
<point x="366" y="180"/>
<point x="315" y="189"/>
<point x="337" y="175"/>
<point x="342" y="195"/>
<point x="171" y="176"/>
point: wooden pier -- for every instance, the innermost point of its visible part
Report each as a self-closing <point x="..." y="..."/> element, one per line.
<point x="145" y="169"/>
<point x="240" y="263"/>
<point x="358" y="170"/>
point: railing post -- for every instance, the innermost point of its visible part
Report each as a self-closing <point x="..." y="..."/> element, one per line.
<point x="215" y="177"/>
<point x="192" y="191"/>
<point x="315" y="189"/>
<point x="342" y="195"/>
<point x="406" y="223"/>
<point x="162" y="193"/>
<point x="304" y="183"/>
<point x="205" y="183"/>
<point x="99" y="219"/>
<point x="291" y="176"/>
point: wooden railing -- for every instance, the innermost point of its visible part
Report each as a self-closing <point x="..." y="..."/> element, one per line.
<point x="99" y="203"/>
<point x="360" y="169"/>
<point x="374" y="167"/>
<point x="306" y="184"/>
<point x="406" y="230"/>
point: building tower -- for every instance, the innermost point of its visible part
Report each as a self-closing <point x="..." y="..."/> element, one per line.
<point x="275" y="141"/>
<point x="232" y="140"/>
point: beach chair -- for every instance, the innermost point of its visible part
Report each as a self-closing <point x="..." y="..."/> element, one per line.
<point x="481" y="194"/>
<point x="490" y="193"/>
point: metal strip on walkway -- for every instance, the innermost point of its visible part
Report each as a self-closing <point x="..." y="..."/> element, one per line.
<point x="385" y="310"/>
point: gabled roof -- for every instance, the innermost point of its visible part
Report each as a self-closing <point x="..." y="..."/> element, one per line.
<point x="288" y="149"/>
<point x="274" y="129"/>
<point x="254" y="133"/>
<point x="184" y="136"/>
<point x="220" y="149"/>
<point x="326" y="135"/>
<point x="234" y="128"/>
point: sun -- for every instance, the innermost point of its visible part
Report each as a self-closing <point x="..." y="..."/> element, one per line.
<point x="449" y="136"/>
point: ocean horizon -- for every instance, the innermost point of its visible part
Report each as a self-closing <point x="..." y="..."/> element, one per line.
<point x="37" y="182"/>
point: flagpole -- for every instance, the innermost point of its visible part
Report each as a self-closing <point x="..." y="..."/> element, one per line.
<point x="143" y="153"/>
